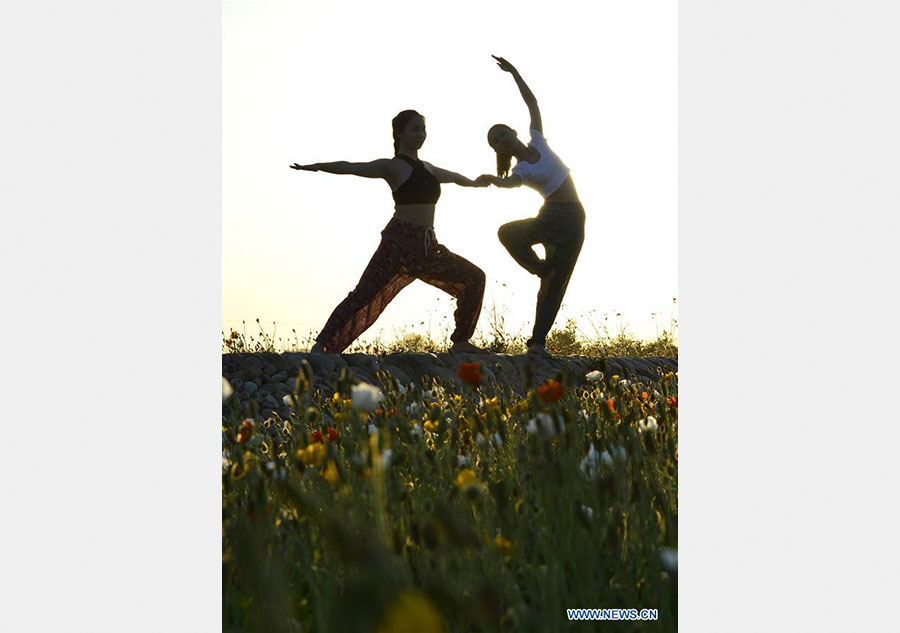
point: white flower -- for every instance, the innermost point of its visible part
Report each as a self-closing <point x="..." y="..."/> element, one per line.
<point x="481" y="441"/>
<point x="401" y="388"/>
<point x="270" y="466"/>
<point x="593" y="376"/>
<point x="618" y="455"/>
<point x="226" y="389"/>
<point x="373" y="429"/>
<point x="587" y="511"/>
<point x="543" y="423"/>
<point x="462" y="461"/>
<point x="669" y="558"/>
<point x="498" y="440"/>
<point x="624" y="384"/>
<point x="648" y="424"/>
<point x="583" y="415"/>
<point x="417" y="430"/>
<point x="386" y="455"/>
<point x="366" y="397"/>
<point x="590" y="464"/>
<point x="287" y="400"/>
<point x="413" y="408"/>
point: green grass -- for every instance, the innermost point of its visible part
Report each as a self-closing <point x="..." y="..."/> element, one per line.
<point x="595" y="340"/>
<point x="320" y="536"/>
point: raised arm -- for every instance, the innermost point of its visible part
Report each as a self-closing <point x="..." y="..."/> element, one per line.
<point x="374" y="169"/>
<point x="527" y="95"/>
<point x="445" y="176"/>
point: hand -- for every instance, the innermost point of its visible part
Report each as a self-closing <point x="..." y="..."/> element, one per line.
<point x="313" y="167"/>
<point x="504" y="65"/>
<point x="484" y="180"/>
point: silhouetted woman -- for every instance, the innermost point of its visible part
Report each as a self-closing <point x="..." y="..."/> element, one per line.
<point x="559" y="224"/>
<point x="409" y="248"/>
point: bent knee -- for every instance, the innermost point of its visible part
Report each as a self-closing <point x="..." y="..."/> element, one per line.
<point x="505" y="233"/>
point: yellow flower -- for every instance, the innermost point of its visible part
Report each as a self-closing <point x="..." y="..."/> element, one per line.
<point x="330" y="474"/>
<point x="412" y="613"/>
<point x="431" y="427"/>
<point x="465" y="479"/>
<point x="503" y="545"/>
<point x="492" y="403"/>
<point x="312" y="455"/>
<point x="520" y="407"/>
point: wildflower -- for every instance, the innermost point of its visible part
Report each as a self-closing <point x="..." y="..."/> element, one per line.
<point x="543" y="423"/>
<point x="647" y="424"/>
<point x="589" y="466"/>
<point x="618" y="454"/>
<point x="373" y="429"/>
<point x="312" y="455"/>
<point x="492" y="404"/>
<point x="365" y="397"/>
<point x="645" y="395"/>
<point x="332" y="434"/>
<point x="330" y="473"/>
<point x="226" y="389"/>
<point x="465" y="479"/>
<point x="593" y="376"/>
<point x="462" y="461"/>
<point x="669" y="559"/>
<point x="287" y="400"/>
<point x="498" y="440"/>
<point x="470" y="372"/>
<point x="316" y="436"/>
<point x="386" y="456"/>
<point x="412" y="613"/>
<point x="480" y="440"/>
<point x="245" y="430"/>
<point x="587" y="512"/>
<point x="431" y="427"/>
<point x="550" y="391"/>
<point x="417" y="430"/>
<point x="503" y="545"/>
<point x="672" y="401"/>
<point x="611" y="405"/>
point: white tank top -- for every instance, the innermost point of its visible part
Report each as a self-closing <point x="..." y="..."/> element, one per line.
<point x="548" y="173"/>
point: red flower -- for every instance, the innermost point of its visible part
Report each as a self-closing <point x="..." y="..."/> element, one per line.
<point x="245" y="430"/>
<point x="673" y="401"/>
<point x="332" y="434"/>
<point x="470" y="372"/>
<point x="550" y="391"/>
<point x="316" y="437"/>
<point x="611" y="404"/>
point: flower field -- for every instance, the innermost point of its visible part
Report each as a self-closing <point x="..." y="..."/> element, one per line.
<point x="429" y="507"/>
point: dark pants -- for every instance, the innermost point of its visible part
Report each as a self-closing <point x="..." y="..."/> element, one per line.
<point x="407" y="252"/>
<point x="560" y="228"/>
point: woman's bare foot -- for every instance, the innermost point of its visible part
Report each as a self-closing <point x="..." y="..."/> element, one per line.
<point x="538" y="350"/>
<point x="466" y="347"/>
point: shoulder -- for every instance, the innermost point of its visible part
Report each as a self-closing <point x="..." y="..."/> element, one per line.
<point x="537" y="137"/>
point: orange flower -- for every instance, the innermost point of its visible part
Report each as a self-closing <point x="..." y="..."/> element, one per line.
<point x="470" y="372"/>
<point x="673" y="401"/>
<point x="550" y="391"/>
<point x="245" y="431"/>
<point x="503" y="545"/>
<point x="645" y="395"/>
<point x="611" y="405"/>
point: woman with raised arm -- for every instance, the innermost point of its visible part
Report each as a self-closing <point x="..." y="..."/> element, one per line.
<point x="409" y="248"/>
<point x="559" y="224"/>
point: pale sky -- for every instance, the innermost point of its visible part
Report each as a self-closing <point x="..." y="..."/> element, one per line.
<point x="316" y="82"/>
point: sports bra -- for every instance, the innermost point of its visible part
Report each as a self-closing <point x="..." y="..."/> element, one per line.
<point x="422" y="187"/>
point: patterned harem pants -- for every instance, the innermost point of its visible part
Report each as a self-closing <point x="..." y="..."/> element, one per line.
<point x="407" y="252"/>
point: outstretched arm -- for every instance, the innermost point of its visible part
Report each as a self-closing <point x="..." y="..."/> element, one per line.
<point x="527" y="95"/>
<point x="506" y="183"/>
<point x="373" y="169"/>
<point x="444" y="176"/>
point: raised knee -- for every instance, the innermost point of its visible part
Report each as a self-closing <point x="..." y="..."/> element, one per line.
<point x="504" y="233"/>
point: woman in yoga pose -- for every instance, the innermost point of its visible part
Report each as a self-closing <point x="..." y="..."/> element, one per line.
<point x="559" y="224"/>
<point x="409" y="248"/>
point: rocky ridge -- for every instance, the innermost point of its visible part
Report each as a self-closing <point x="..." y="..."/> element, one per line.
<point x="266" y="378"/>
